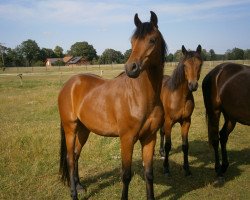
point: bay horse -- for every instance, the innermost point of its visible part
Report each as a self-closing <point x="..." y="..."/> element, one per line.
<point x="226" y="90"/>
<point x="128" y="107"/>
<point x="178" y="102"/>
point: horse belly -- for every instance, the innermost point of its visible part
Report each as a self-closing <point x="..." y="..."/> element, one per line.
<point x="235" y="99"/>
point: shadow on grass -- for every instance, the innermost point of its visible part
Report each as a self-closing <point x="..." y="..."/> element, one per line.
<point x="177" y="185"/>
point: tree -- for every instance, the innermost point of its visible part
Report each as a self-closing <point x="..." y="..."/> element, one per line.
<point x="212" y="54"/>
<point x="126" y="55"/>
<point x="177" y="55"/>
<point x="46" y="53"/>
<point x="14" y="58"/>
<point x="111" y="56"/>
<point x="58" y="51"/>
<point x="169" y="57"/>
<point x="83" y="49"/>
<point x="29" y="50"/>
<point x="247" y="54"/>
<point x="234" y="54"/>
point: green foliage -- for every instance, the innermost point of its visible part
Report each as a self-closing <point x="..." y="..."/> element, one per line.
<point x="127" y="54"/>
<point x="83" y="49"/>
<point x="247" y="54"/>
<point x="29" y="50"/>
<point x="111" y="56"/>
<point x="46" y="53"/>
<point x="169" y="57"/>
<point x="177" y="56"/>
<point x="38" y="63"/>
<point x="58" y="63"/>
<point x="58" y="51"/>
<point x="235" y="54"/>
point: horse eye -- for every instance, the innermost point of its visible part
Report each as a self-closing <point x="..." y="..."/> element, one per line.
<point x="152" y="41"/>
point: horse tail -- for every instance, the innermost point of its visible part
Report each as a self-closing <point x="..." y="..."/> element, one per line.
<point x="207" y="92"/>
<point x="63" y="170"/>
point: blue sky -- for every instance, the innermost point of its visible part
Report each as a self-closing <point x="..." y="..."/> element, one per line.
<point x="215" y="24"/>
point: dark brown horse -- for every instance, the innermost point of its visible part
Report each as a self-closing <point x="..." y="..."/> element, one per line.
<point x="178" y="102"/>
<point x="226" y="90"/>
<point x="128" y="107"/>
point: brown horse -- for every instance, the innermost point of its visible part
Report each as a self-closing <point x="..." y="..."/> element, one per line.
<point x="178" y="102"/>
<point x="127" y="106"/>
<point x="226" y="90"/>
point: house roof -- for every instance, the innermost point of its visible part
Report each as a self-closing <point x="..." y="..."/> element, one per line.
<point x="53" y="60"/>
<point x="75" y="60"/>
<point x="67" y="58"/>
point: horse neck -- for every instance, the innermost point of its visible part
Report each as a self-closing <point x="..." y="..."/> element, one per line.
<point x="178" y="80"/>
<point x="151" y="80"/>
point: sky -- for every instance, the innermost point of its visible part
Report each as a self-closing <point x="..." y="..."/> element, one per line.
<point x="215" y="24"/>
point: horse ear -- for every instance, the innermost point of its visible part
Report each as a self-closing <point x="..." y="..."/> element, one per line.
<point x="137" y="20"/>
<point x="184" y="50"/>
<point x="198" y="50"/>
<point x="153" y="19"/>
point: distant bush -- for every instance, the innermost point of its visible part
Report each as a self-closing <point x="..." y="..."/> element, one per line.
<point x="38" y="63"/>
<point x="58" y="63"/>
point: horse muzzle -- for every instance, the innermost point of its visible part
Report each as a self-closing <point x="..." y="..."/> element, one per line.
<point x="193" y="86"/>
<point x="132" y="70"/>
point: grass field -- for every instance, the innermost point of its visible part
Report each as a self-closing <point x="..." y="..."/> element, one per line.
<point x="29" y="147"/>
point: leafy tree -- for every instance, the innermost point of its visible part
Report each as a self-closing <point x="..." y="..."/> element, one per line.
<point x="177" y="55"/>
<point x="234" y="54"/>
<point x="169" y="57"/>
<point x="58" y="63"/>
<point x="14" y="57"/>
<point x="111" y="56"/>
<point x="212" y="54"/>
<point x="30" y="50"/>
<point x="247" y="54"/>
<point x="46" y="53"/>
<point x="83" y="49"/>
<point x="126" y="55"/>
<point x="58" y="51"/>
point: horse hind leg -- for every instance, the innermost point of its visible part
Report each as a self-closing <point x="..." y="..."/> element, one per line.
<point x="224" y="133"/>
<point x="81" y="138"/>
<point x="161" y="151"/>
<point x="67" y="165"/>
<point x="213" y="136"/>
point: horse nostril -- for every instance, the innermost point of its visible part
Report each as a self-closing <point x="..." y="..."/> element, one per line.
<point x="134" y="67"/>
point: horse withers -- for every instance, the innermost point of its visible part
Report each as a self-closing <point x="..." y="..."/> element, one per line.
<point x="226" y="90"/>
<point x="178" y="102"/>
<point x="128" y="107"/>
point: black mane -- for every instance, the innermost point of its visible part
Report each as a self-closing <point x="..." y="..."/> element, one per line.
<point x="146" y="28"/>
<point x="178" y="75"/>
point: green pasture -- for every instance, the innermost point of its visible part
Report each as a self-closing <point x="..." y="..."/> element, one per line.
<point x="30" y="141"/>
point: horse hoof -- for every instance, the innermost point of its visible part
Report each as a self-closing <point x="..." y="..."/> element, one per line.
<point x="188" y="173"/>
<point x="80" y="188"/>
<point x="219" y="181"/>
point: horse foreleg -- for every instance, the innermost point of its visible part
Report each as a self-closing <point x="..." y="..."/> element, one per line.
<point x="127" y="145"/>
<point x="162" y="134"/>
<point x="184" y="133"/>
<point x="167" y="130"/>
<point x="148" y="145"/>
<point x="224" y="133"/>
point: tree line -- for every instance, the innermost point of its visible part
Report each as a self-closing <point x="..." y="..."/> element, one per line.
<point x="28" y="53"/>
